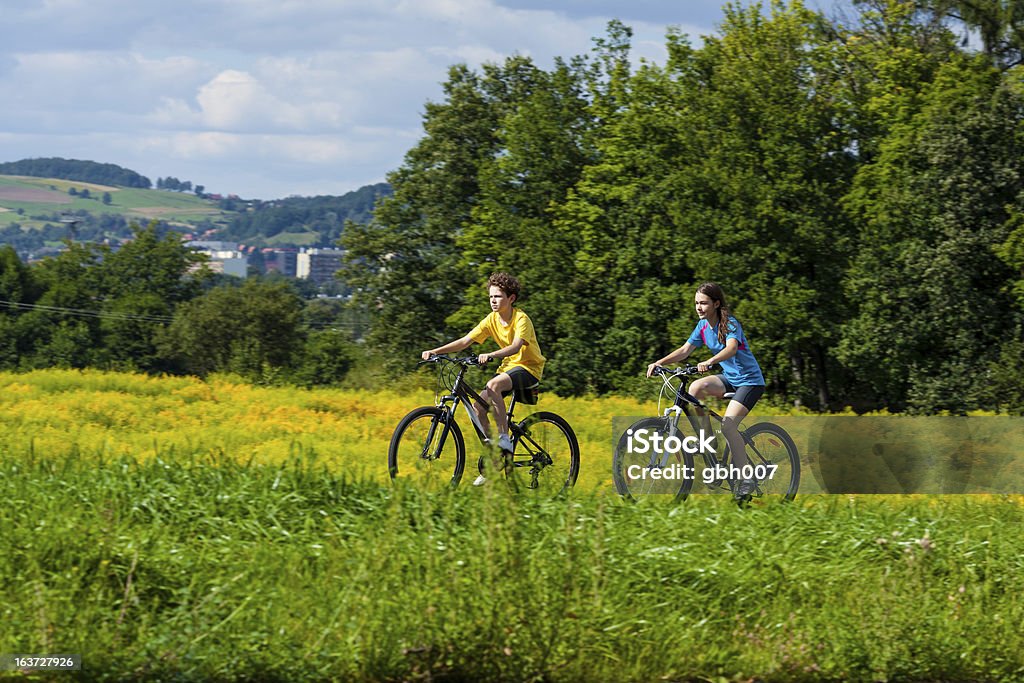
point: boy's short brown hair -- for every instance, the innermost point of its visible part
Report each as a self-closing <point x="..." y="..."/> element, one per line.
<point x="505" y="283"/>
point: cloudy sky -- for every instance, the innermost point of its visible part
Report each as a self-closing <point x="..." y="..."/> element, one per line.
<point x="269" y="98"/>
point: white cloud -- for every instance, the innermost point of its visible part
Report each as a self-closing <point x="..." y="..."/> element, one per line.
<point x="264" y="97"/>
<point x="78" y="83"/>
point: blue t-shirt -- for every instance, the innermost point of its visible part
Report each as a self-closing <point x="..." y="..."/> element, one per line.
<point x="742" y="369"/>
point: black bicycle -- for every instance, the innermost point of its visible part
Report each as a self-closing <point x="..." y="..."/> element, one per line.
<point x="656" y="454"/>
<point x="428" y="447"/>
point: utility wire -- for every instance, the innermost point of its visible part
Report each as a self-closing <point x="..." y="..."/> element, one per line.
<point x="14" y="305"/>
<point x="113" y="315"/>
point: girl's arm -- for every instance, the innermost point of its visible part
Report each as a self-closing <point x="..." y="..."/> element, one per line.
<point x="679" y="354"/>
<point x="732" y="345"/>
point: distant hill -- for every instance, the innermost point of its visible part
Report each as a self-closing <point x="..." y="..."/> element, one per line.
<point x="75" y="169"/>
<point x="268" y="222"/>
<point x="35" y="213"/>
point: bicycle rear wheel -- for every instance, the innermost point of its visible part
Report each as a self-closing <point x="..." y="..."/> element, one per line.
<point x="775" y="460"/>
<point x="639" y="469"/>
<point x="546" y="456"/>
<point x="427" y="449"/>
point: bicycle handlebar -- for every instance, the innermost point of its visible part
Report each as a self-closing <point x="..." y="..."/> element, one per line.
<point x="680" y="372"/>
<point x="438" y="358"/>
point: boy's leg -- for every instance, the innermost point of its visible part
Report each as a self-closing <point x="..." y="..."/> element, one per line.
<point x="493" y="394"/>
<point x="496" y="388"/>
<point x="481" y="412"/>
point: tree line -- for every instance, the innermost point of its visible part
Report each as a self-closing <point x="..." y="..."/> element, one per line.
<point x="325" y="215"/>
<point x="856" y="184"/>
<point x="152" y="306"/>
<point x="76" y="169"/>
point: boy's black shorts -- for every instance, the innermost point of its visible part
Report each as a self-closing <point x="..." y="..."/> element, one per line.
<point x="524" y="385"/>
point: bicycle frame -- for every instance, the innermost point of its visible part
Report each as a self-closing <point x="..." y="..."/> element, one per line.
<point x="464" y="395"/>
<point x="682" y="404"/>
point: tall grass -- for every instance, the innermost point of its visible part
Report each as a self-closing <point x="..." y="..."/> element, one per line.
<point x="216" y="560"/>
<point x="219" y="571"/>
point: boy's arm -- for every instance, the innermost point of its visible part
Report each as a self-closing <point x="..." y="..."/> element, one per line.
<point x="510" y="350"/>
<point x="457" y="345"/>
<point x="679" y="354"/>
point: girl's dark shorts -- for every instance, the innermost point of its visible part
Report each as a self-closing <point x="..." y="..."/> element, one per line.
<point x="747" y="394"/>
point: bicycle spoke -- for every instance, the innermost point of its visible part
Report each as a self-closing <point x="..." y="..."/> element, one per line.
<point x="774" y="460"/>
<point x="424" y="452"/>
<point x="546" y="456"/>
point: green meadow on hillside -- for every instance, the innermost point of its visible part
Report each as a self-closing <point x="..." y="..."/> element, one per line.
<point x="47" y="196"/>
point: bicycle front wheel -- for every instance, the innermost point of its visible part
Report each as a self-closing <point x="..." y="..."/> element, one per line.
<point x="642" y="467"/>
<point x="427" y="449"/>
<point x="775" y="460"/>
<point x="545" y="457"/>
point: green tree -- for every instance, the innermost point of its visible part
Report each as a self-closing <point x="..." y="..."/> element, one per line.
<point x="725" y="165"/>
<point x="624" y="289"/>
<point x="327" y="356"/>
<point x="999" y="24"/>
<point x="884" y="60"/>
<point x="18" y="292"/>
<point x="67" y="310"/>
<point x="545" y="143"/>
<point x="141" y="285"/>
<point x="252" y="330"/>
<point x="931" y="295"/>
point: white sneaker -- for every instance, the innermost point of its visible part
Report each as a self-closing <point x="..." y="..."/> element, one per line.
<point x="480" y="481"/>
<point x="504" y="443"/>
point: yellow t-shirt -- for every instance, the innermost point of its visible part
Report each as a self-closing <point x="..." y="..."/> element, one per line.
<point x="520" y="327"/>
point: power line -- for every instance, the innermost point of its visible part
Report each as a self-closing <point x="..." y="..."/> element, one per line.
<point x="114" y="315"/>
<point x="14" y="305"/>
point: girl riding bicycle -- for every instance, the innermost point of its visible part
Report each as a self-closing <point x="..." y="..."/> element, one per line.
<point x="741" y="376"/>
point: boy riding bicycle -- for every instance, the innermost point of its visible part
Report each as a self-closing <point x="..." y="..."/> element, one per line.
<point x="522" y="364"/>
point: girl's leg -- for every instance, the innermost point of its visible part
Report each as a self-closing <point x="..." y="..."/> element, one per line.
<point x="702" y="388"/>
<point x="734" y="414"/>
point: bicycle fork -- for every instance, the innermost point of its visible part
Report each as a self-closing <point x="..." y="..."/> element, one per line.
<point x="428" y="453"/>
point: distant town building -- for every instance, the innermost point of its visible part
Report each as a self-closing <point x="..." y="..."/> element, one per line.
<point x="225" y="257"/>
<point x="318" y="265"/>
<point x="281" y="260"/>
<point x="229" y="262"/>
<point x="212" y="245"/>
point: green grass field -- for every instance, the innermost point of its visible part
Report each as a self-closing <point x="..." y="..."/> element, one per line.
<point x="231" y="543"/>
<point x="37" y="196"/>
